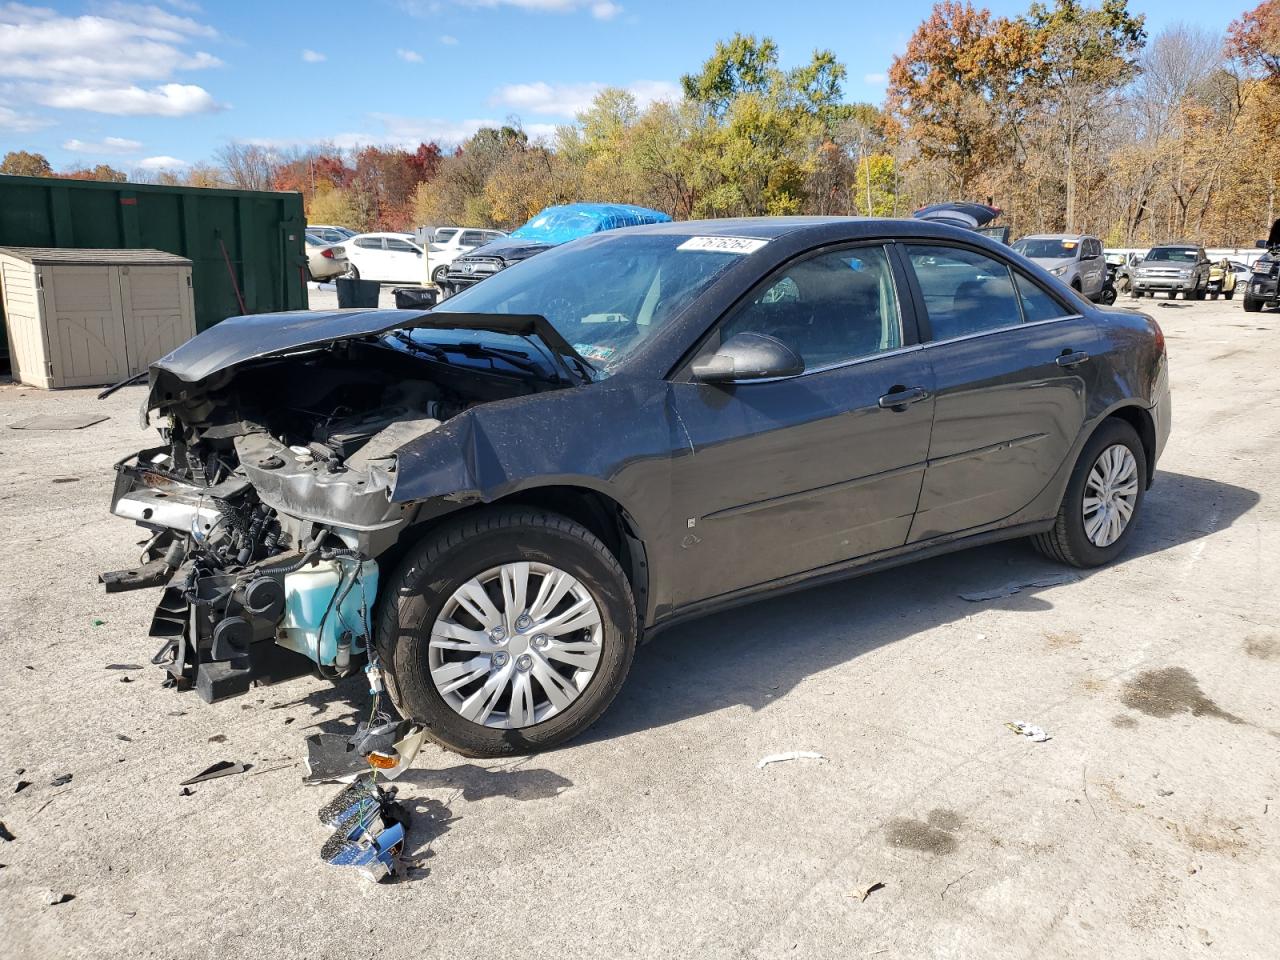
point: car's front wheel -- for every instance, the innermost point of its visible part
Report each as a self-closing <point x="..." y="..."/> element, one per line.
<point x="438" y="275"/>
<point x="507" y="631"/>
<point x="1103" y="499"/>
<point x="1251" y="305"/>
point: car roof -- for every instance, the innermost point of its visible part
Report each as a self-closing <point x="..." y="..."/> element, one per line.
<point x="773" y="228"/>
<point x="1177" y="243"/>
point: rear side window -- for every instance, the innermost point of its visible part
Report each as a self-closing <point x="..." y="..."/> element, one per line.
<point x="965" y="292"/>
<point x="472" y="238"/>
<point x="370" y="243"/>
<point x="399" y="246"/>
<point x="1037" y="305"/>
<point x="829" y="308"/>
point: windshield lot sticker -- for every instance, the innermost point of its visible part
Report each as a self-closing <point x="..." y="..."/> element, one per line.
<point x="591" y="351"/>
<point x="738" y="245"/>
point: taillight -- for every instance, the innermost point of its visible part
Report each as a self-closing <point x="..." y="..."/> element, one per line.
<point x="1159" y="337"/>
<point x="327" y="253"/>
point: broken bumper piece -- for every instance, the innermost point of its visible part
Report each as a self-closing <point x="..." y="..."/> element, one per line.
<point x="368" y="830"/>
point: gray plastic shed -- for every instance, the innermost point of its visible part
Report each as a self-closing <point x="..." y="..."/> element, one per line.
<point x="79" y="318"/>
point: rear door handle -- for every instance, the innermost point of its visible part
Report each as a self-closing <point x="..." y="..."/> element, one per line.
<point x="1071" y="359"/>
<point x="899" y="398"/>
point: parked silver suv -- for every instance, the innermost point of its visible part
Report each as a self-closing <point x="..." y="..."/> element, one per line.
<point x="1172" y="268"/>
<point x="1075" y="258"/>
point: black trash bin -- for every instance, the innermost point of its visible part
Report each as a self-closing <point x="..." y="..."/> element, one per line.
<point x="357" y="293"/>
<point x="415" y="298"/>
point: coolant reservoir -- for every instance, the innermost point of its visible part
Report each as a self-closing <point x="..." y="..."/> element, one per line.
<point x="332" y="593"/>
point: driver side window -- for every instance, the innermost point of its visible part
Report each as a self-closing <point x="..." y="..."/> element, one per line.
<point x="829" y="308"/>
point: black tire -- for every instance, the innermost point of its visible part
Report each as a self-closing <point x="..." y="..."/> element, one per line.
<point x="1200" y="292"/>
<point x="445" y="559"/>
<point x="351" y="273"/>
<point x="1251" y="305"/>
<point x="1108" y="296"/>
<point x="438" y="275"/>
<point x="1230" y="294"/>
<point x="1172" y="294"/>
<point x="1135" y="294"/>
<point x="1213" y="295"/>
<point x="1067" y="541"/>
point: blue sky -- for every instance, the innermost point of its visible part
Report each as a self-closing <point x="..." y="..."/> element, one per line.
<point x="163" y="84"/>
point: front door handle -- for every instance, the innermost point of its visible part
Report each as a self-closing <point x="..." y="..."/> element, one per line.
<point x="899" y="398"/>
<point x="1071" y="358"/>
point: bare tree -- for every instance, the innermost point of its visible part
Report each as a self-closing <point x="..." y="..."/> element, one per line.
<point x="247" y="165"/>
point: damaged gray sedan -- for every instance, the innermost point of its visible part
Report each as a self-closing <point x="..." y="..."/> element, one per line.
<point x="496" y="499"/>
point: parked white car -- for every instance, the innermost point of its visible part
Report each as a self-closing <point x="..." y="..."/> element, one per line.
<point x="386" y="257"/>
<point x="451" y="243"/>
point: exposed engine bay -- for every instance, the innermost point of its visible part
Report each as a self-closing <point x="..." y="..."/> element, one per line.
<point x="270" y="498"/>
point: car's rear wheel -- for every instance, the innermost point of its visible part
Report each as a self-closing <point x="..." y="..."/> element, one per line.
<point x="1230" y="294"/>
<point x="1251" y="305"/>
<point x="1102" y="501"/>
<point x="508" y="631"/>
<point x="1172" y="294"/>
<point x="351" y="273"/>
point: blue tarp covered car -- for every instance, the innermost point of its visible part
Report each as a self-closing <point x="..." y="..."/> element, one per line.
<point x="550" y="228"/>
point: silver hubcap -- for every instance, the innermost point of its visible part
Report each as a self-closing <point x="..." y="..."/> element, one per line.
<point x="515" y="645"/>
<point x="1110" y="495"/>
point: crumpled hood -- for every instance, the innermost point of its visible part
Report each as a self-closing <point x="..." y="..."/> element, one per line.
<point x="238" y="340"/>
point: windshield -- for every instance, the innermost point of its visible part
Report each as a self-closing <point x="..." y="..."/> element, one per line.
<point x="606" y="295"/>
<point x="1046" y="249"/>
<point x="1173" y="254"/>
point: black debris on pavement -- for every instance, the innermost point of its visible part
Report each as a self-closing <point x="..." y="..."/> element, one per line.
<point x="124" y="666"/>
<point x="60" y="779"/>
<point x="223" y="768"/>
<point x="5" y="834"/>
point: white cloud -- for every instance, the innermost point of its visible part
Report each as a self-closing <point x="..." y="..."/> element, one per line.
<point x="162" y="163"/>
<point x="114" y="57"/>
<point x="567" y="99"/>
<point x="409" y="56"/>
<point x="448" y="41"/>
<point x="11" y="119"/>
<point x="106" y="145"/>
<point x="166" y="100"/>
<point x="312" y="56"/>
<point x="604" y="10"/>
<point x="875" y="79"/>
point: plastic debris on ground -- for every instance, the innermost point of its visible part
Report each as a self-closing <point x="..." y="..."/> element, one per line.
<point x="59" y="421"/>
<point x="223" y="768"/>
<point x="368" y="825"/>
<point x="368" y="830"/>
<point x="53" y="898"/>
<point x="1016" y="586"/>
<point x="60" y="779"/>
<point x="5" y="834"/>
<point x="1033" y="733"/>
<point x="866" y="890"/>
<point x="790" y="755"/>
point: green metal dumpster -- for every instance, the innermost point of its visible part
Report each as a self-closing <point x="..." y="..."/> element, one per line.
<point x="246" y="247"/>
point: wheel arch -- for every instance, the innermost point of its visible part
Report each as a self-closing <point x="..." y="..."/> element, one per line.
<point x="1140" y="418"/>
<point x="597" y="511"/>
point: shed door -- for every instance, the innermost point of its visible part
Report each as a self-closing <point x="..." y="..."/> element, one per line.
<point x="86" y="332"/>
<point x="157" y="313"/>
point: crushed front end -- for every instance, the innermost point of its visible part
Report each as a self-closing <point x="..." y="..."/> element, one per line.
<point x="269" y="504"/>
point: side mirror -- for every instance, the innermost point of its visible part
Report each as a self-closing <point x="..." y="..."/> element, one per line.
<point x="748" y="356"/>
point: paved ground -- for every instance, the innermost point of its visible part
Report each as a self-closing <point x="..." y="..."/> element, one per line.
<point x="1149" y="826"/>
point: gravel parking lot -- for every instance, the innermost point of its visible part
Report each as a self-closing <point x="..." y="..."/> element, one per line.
<point x="1148" y="826"/>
